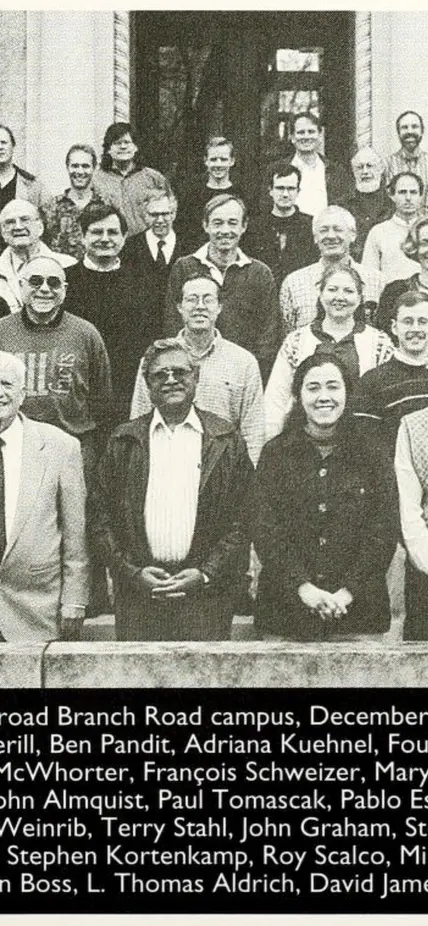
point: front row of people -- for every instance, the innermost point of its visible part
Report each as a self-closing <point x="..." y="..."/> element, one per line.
<point x="174" y="504"/>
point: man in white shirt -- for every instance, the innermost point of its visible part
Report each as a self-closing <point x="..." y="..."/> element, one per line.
<point x="22" y="229"/>
<point x="43" y="560"/>
<point x="383" y="247"/>
<point x="322" y="183"/>
<point x="229" y="382"/>
<point x="167" y="510"/>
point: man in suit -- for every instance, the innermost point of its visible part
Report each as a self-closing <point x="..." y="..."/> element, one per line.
<point x="167" y="510"/>
<point x="44" y="567"/>
<point x="152" y="253"/>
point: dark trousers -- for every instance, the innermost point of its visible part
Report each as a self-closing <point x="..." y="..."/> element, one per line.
<point x="198" y="617"/>
<point x="416" y="597"/>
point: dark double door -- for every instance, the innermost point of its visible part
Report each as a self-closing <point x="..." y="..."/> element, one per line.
<point x="198" y="74"/>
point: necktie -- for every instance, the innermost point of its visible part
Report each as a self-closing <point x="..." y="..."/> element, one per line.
<point x="2" y="503"/>
<point x="160" y="260"/>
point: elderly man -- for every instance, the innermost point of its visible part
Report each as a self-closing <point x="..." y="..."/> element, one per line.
<point x="167" y="511"/>
<point x="107" y="292"/>
<point x="250" y="314"/>
<point x="410" y="157"/>
<point x="43" y="561"/>
<point x="229" y="382"/>
<point x="383" y="249"/>
<point x="368" y="202"/>
<point x="22" y="229"/>
<point x="334" y="232"/>
<point x="283" y="239"/>
<point x="152" y="253"/>
<point x="63" y="231"/>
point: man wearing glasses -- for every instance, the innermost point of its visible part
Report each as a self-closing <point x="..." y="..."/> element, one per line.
<point x="229" y="383"/>
<point x="68" y="380"/>
<point x="166" y="512"/>
<point x="21" y="228"/>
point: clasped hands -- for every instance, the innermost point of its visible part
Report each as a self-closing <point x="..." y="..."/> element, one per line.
<point x="161" y="584"/>
<point x="329" y="605"/>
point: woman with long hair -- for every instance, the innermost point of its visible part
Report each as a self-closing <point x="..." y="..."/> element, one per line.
<point x="339" y="329"/>
<point x="122" y="181"/>
<point x="325" y="514"/>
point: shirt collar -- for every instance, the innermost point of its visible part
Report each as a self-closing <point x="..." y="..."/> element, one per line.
<point x="181" y="336"/>
<point x="320" y="268"/>
<point x="13" y="431"/>
<point x="89" y="264"/>
<point x="202" y="254"/>
<point x="191" y="421"/>
<point x="402" y="222"/>
<point x="409" y="360"/>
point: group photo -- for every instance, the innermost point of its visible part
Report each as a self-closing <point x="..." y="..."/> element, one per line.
<point x="213" y="349"/>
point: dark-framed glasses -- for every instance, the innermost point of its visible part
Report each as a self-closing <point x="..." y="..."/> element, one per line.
<point x="36" y="281"/>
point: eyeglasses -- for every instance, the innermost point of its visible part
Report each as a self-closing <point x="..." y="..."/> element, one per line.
<point x="207" y="301"/>
<point x="179" y="373"/>
<point x="36" y="281"/>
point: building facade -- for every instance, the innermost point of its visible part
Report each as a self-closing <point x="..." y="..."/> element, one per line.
<point x="182" y="76"/>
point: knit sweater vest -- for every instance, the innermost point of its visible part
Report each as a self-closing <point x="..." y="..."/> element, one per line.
<point x="416" y="426"/>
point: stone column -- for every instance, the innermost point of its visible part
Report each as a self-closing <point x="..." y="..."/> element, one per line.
<point x="70" y="57"/>
<point x="363" y="79"/>
<point x="399" y="72"/>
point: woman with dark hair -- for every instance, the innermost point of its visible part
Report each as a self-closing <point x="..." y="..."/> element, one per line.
<point x="325" y="516"/>
<point x="122" y="181"/>
<point x="339" y="329"/>
<point x="416" y="247"/>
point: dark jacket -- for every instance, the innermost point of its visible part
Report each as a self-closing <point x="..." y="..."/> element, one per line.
<point x="250" y="313"/>
<point x="331" y="521"/>
<point x="152" y="275"/>
<point x="116" y="514"/>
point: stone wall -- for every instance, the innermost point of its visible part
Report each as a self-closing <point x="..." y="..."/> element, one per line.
<point x="216" y="665"/>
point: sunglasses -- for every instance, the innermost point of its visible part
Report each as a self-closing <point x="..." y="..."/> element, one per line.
<point x="36" y="281"/>
<point x="179" y="373"/>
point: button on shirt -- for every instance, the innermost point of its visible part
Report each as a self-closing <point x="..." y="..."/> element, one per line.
<point x="173" y="487"/>
<point x="12" y="457"/>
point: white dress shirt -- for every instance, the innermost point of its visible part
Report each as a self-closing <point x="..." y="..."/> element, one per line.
<point x="12" y="458"/>
<point x="153" y="241"/>
<point x="172" y="491"/>
<point x="312" y="196"/>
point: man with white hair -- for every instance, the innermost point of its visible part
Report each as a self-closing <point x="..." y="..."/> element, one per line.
<point x="368" y="202"/>
<point x="22" y="229"/>
<point x="43" y="560"/>
<point x="334" y="232"/>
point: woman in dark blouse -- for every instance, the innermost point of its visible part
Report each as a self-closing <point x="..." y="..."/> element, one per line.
<point x="325" y="516"/>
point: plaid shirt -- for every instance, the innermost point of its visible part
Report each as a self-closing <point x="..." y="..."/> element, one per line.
<point x="63" y="231"/>
<point x="229" y="385"/>
<point x="417" y="163"/>
<point x="300" y="290"/>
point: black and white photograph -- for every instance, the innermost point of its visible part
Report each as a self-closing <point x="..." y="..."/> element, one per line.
<point x="213" y="460"/>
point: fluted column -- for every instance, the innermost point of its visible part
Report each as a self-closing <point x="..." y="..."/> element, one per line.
<point x="69" y="86"/>
<point x="121" y="67"/>
<point x="363" y="78"/>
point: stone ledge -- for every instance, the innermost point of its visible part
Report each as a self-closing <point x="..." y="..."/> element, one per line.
<point x="21" y="665"/>
<point x="235" y="665"/>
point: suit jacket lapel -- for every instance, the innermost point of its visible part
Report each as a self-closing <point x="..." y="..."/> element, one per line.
<point x="33" y="467"/>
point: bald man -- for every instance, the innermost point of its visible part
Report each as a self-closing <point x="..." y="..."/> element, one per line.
<point x="21" y="228"/>
<point x="43" y="560"/>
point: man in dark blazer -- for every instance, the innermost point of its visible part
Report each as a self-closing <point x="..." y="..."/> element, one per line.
<point x="43" y="560"/>
<point x="167" y="510"/>
<point x="152" y="253"/>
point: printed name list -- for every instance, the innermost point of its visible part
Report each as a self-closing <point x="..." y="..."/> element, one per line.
<point x="172" y="802"/>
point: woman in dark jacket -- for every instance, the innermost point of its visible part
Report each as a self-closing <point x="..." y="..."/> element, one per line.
<point x="325" y="516"/>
